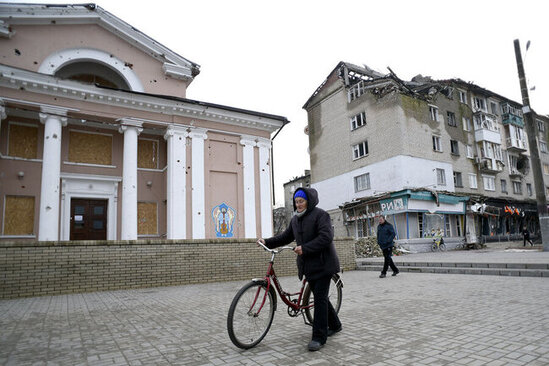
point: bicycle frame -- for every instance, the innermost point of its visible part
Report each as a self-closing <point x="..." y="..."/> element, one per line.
<point x="271" y="278"/>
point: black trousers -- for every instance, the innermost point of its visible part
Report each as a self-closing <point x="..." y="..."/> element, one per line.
<point x="325" y="315"/>
<point x="527" y="239"/>
<point x="388" y="262"/>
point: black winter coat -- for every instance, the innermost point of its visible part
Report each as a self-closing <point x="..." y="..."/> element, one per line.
<point x="385" y="235"/>
<point x="313" y="231"/>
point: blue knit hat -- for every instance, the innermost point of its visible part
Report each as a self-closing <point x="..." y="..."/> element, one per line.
<point x="300" y="193"/>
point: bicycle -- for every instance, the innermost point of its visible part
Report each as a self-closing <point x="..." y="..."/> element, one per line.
<point x="252" y="310"/>
<point x="438" y="244"/>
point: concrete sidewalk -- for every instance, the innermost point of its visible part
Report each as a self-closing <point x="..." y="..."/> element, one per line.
<point x="411" y="319"/>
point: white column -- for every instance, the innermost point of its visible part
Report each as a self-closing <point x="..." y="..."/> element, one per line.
<point x="176" y="191"/>
<point x="265" y="187"/>
<point x="48" y="223"/>
<point x="249" y="186"/>
<point x="131" y="129"/>
<point x="198" y="136"/>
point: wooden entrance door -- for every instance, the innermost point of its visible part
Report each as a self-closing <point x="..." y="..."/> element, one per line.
<point x="88" y="219"/>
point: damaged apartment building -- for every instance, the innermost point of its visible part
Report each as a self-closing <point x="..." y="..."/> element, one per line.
<point x="98" y="139"/>
<point x="439" y="157"/>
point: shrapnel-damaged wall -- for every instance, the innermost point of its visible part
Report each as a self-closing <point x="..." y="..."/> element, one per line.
<point x="54" y="268"/>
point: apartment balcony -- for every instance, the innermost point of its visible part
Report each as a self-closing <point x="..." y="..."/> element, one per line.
<point x="516" y="144"/>
<point x="515" y="173"/>
<point x="488" y="134"/>
<point x="511" y="119"/>
<point x="488" y="165"/>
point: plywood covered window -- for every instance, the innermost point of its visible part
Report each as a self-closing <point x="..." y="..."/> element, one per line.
<point x="147" y="154"/>
<point x="90" y="148"/>
<point x="19" y="215"/>
<point x="23" y="141"/>
<point x="147" y="217"/>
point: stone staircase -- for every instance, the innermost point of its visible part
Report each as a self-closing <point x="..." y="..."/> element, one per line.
<point x="493" y="269"/>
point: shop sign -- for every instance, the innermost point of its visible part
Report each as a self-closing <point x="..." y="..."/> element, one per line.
<point x="396" y="204"/>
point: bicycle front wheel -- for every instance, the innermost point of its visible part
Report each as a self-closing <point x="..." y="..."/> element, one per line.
<point x="251" y="314"/>
<point x="442" y="247"/>
<point x="434" y="247"/>
<point x="335" y="296"/>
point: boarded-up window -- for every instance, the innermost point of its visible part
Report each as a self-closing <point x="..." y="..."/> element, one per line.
<point x="147" y="154"/>
<point x="23" y="141"/>
<point x="19" y="215"/>
<point x="90" y="148"/>
<point x="147" y="218"/>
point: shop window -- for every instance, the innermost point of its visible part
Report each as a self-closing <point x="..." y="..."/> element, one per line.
<point x="23" y="141"/>
<point x="147" y="217"/>
<point x="90" y="148"/>
<point x="147" y="154"/>
<point x="19" y="215"/>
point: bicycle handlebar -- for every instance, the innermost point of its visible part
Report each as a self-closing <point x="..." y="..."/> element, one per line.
<point x="275" y="251"/>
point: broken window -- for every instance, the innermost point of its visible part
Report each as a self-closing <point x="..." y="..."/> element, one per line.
<point x="437" y="146"/>
<point x="23" y="140"/>
<point x="470" y="153"/>
<point x="451" y="118"/>
<point x="529" y="189"/>
<point x="541" y="125"/>
<point x="90" y="148"/>
<point x="360" y="150"/>
<point x="454" y="147"/>
<point x="494" y="108"/>
<point x="458" y="182"/>
<point x="433" y="112"/>
<point x="147" y="153"/>
<point x="358" y="121"/>
<point x="19" y="215"/>
<point x="543" y="146"/>
<point x="466" y="123"/>
<point x="463" y="97"/>
<point x="517" y="187"/>
<point x="479" y="104"/>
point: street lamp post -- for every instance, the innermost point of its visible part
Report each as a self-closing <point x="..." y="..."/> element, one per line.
<point x="531" y="131"/>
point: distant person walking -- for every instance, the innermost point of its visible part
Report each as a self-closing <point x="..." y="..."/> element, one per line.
<point x="385" y="236"/>
<point x="526" y="236"/>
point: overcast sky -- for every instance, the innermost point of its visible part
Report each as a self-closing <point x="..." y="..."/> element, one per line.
<point x="270" y="56"/>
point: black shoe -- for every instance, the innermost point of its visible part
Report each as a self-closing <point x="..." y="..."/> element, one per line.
<point x="395" y="273"/>
<point x="314" y="346"/>
<point x="382" y="275"/>
<point x="331" y="332"/>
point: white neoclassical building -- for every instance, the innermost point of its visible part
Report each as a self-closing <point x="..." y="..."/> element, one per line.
<point x="98" y="140"/>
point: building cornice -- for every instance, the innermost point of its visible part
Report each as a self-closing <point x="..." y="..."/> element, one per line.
<point x="33" y="82"/>
<point x="42" y="14"/>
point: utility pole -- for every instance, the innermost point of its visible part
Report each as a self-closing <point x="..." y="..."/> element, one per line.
<point x="531" y="131"/>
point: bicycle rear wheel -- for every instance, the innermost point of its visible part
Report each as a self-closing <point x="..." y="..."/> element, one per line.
<point x="251" y="314"/>
<point x="442" y="247"/>
<point x="335" y="296"/>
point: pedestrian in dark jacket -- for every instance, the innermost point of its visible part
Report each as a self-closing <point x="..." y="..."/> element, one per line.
<point x="526" y="236"/>
<point x="311" y="228"/>
<point x="385" y="237"/>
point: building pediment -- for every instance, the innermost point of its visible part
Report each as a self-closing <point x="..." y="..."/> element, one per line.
<point x="173" y="65"/>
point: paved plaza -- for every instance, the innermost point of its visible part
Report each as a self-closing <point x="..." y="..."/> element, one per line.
<point x="410" y="319"/>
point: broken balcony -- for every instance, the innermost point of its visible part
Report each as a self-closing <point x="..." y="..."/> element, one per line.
<point x="488" y="165"/>
<point x="516" y="144"/>
<point x="486" y="128"/>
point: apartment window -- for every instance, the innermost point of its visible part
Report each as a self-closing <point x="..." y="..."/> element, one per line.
<point x="360" y="150"/>
<point x="541" y="125"/>
<point x="517" y="187"/>
<point x="529" y="189"/>
<point x="479" y="104"/>
<point x="358" y="121"/>
<point x="454" y="147"/>
<point x="470" y="153"/>
<point x="441" y="177"/>
<point x="546" y="169"/>
<point x="489" y="183"/>
<point x="362" y="182"/>
<point x="543" y="147"/>
<point x="503" y="186"/>
<point x="463" y="97"/>
<point x="437" y="146"/>
<point x="494" y="108"/>
<point x="466" y="123"/>
<point x="451" y="118"/>
<point x="458" y="182"/>
<point x="473" y="181"/>
<point x="433" y="111"/>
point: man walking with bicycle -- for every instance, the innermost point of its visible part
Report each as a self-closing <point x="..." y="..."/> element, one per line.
<point x="385" y="239"/>
<point x="311" y="228"/>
